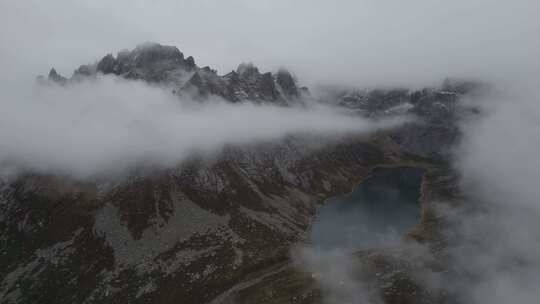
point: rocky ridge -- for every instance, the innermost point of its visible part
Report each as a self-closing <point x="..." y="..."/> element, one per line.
<point x="167" y="66"/>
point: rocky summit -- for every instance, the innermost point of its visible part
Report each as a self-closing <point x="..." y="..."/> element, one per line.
<point x="166" y="65"/>
<point x="223" y="231"/>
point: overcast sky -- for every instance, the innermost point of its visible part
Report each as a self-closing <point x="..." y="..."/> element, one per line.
<point x="361" y="42"/>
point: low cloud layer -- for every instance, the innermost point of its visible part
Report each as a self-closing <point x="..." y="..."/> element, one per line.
<point x="337" y="275"/>
<point x="496" y="236"/>
<point x="108" y="125"/>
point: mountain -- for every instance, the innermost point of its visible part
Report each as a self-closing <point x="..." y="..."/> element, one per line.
<point x="219" y="231"/>
<point x="167" y="66"/>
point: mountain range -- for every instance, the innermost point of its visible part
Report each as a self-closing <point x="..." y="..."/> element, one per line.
<point x="222" y="232"/>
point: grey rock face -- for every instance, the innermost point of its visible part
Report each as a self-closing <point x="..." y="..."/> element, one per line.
<point x="84" y="71"/>
<point x="166" y="65"/>
<point x="436" y="112"/>
<point x="287" y="83"/>
<point x="151" y="62"/>
<point x="246" y="83"/>
<point x="56" y="78"/>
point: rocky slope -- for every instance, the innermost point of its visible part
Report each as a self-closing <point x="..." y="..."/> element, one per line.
<point x="403" y="274"/>
<point x="208" y="227"/>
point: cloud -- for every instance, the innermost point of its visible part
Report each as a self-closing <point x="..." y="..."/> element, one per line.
<point x="339" y="278"/>
<point x="494" y="238"/>
<point x="110" y="124"/>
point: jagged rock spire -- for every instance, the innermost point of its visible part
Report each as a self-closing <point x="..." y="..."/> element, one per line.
<point x="287" y="83"/>
<point x="248" y="71"/>
<point x="55" y="77"/>
<point x="107" y="65"/>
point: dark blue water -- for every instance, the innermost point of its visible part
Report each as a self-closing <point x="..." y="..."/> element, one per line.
<point x="377" y="213"/>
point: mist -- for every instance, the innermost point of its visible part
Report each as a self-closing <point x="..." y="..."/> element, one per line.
<point x="109" y="125"/>
<point x="337" y="275"/>
<point x="495" y="235"/>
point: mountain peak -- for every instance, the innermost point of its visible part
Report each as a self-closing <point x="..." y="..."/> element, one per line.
<point x="287" y="83"/>
<point x="149" y="61"/>
<point x="55" y="77"/>
<point x="166" y="65"/>
<point x="247" y="70"/>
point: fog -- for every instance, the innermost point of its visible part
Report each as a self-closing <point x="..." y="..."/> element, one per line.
<point x="109" y="125"/>
<point x="337" y="274"/>
<point x="496" y="240"/>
